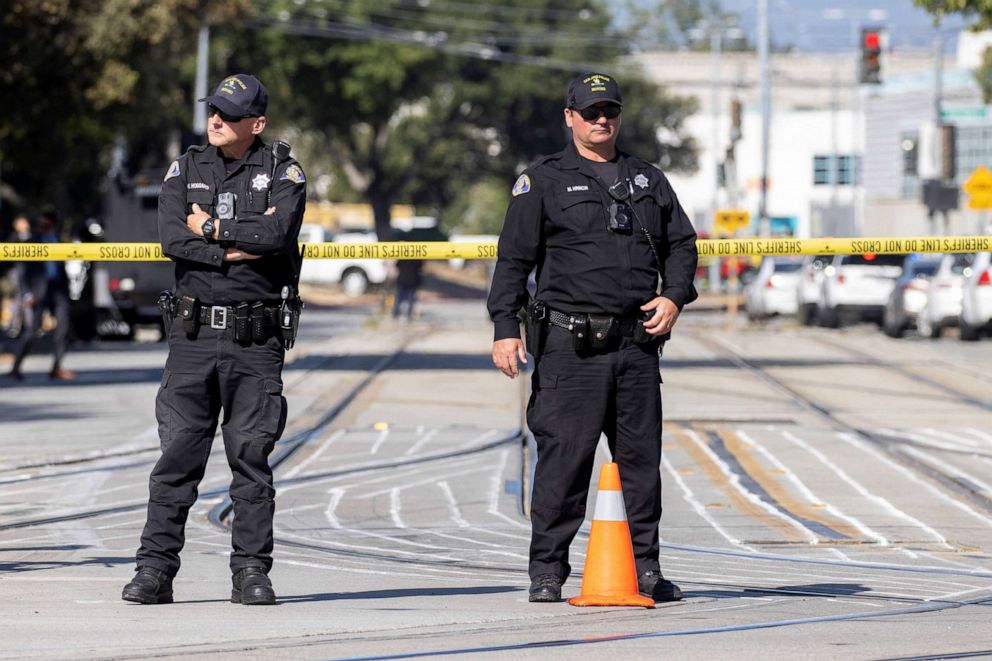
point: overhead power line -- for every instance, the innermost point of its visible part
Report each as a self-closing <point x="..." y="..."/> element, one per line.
<point x="372" y="32"/>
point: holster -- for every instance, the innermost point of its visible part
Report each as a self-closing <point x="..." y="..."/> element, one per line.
<point x="535" y="315"/>
<point x="167" y="308"/>
<point x="242" y="323"/>
<point x="259" y="323"/>
<point x="188" y="310"/>
<point x="289" y="319"/>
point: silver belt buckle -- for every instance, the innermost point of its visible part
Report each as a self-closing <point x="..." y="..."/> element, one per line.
<point x="218" y="317"/>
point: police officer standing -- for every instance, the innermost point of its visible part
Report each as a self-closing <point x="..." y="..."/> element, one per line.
<point x="600" y="226"/>
<point x="229" y="217"/>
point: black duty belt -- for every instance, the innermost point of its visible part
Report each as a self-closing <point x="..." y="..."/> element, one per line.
<point x="221" y="317"/>
<point x="571" y="321"/>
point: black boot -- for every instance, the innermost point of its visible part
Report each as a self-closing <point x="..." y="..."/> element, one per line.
<point x="653" y="584"/>
<point x="149" y="586"/>
<point x="252" y="588"/>
<point x="545" y="588"/>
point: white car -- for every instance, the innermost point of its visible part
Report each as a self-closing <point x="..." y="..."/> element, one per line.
<point x="943" y="306"/>
<point x="773" y="289"/>
<point x="857" y="287"/>
<point x="976" y="299"/>
<point x="354" y="275"/>
<point x="810" y="286"/>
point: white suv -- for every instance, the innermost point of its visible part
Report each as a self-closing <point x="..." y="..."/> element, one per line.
<point x="857" y="287"/>
<point x="354" y="275"/>
<point x="976" y="299"/>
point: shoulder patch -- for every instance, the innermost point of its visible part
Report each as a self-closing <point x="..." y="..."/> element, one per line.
<point x="294" y="173"/>
<point x="173" y="171"/>
<point x="522" y="186"/>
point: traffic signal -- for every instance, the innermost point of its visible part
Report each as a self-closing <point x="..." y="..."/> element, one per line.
<point x="871" y="56"/>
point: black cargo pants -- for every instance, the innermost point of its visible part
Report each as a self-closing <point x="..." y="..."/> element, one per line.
<point x="576" y="396"/>
<point x="204" y="378"/>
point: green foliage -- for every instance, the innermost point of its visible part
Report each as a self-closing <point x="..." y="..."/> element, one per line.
<point x="437" y="103"/>
<point x="983" y="75"/>
<point x="478" y="208"/>
<point x="980" y="10"/>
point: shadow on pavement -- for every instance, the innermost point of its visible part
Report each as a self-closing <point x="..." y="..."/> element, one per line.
<point x="395" y="594"/>
<point x="810" y="590"/>
<point x="39" y="565"/>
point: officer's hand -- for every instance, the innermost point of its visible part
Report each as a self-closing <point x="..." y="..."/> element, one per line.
<point x="195" y="220"/>
<point x="235" y="255"/>
<point x="269" y="211"/>
<point x="505" y="355"/>
<point x="666" y="313"/>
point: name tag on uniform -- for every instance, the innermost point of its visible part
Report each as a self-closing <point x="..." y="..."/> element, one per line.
<point x="576" y="189"/>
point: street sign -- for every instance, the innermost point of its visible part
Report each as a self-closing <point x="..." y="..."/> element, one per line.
<point x="978" y="186"/>
<point x="977" y="112"/>
<point x="729" y="221"/>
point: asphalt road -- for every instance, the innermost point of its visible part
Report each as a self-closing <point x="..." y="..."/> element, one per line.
<point x="828" y="494"/>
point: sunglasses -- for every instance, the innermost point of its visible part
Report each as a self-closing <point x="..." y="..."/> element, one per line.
<point x="214" y="110"/>
<point x="592" y="113"/>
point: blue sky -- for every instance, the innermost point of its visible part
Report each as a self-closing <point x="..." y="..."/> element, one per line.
<point x="807" y="23"/>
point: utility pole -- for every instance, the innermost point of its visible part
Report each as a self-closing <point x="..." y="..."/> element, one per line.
<point x="766" y="108"/>
<point x="716" y="38"/>
<point x="200" y="86"/>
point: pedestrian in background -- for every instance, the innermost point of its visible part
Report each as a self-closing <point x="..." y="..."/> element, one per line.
<point x="600" y="226"/>
<point x="409" y="277"/>
<point x="46" y="289"/>
<point x="229" y="216"/>
<point x="18" y="306"/>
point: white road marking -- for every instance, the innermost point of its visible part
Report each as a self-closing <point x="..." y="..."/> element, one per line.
<point x="449" y="496"/>
<point x="735" y="480"/>
<point x="394" y="508"/>
<point x="857" y="486"/>
<point x="690" y="498"/>
<point x="336" y="494"/>
<point x="421" y="442"/>
<point x="807" y="493"/>
<point x="850" y="440"/>
<point x="379" y="441"/>
<point x="328" y="442"/>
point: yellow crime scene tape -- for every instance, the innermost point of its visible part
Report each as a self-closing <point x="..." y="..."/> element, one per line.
<point x="146" y="252"/>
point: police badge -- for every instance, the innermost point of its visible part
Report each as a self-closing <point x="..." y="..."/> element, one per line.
<point x="260" y="182"/>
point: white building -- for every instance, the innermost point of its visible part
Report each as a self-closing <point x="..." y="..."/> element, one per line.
<point x="837" y="151"/>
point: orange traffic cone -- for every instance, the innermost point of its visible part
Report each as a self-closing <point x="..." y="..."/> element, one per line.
<point x="610" y="576"/>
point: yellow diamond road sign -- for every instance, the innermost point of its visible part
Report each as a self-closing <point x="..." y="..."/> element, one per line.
<point x="729" y="221"/>
<point x="978" y="186"/>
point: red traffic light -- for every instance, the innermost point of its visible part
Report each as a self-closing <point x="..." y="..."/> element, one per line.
<point x="872" y="40"/>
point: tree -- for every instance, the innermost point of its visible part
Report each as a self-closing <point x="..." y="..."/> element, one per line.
<point x="76" y="75"/>
<point x="422" y="100"/>
<point x="980" y="10"/>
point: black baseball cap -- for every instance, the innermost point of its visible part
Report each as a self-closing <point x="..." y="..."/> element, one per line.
<point x="240" y="95"/>
<point x="592" y="88"/>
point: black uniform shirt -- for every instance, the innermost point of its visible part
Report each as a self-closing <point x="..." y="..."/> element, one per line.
<point x="198" y="177"/>
<point x="557" y="221"/>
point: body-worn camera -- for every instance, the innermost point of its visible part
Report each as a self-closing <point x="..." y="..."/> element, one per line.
<point x="621" y="215"/>
<point x="225" y="205"/>
<point x="620" y="219"/>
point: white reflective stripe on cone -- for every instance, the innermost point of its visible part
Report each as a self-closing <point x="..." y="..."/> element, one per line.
<point x="609" y="506"/>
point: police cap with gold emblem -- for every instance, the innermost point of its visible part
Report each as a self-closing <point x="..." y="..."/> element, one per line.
<point x="592" y="88"/>
<point x="240" y="95"/>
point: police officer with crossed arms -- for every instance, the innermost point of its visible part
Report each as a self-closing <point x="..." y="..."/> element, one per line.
<point x="615" y="256"/>
<point x="229" y="217"/>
